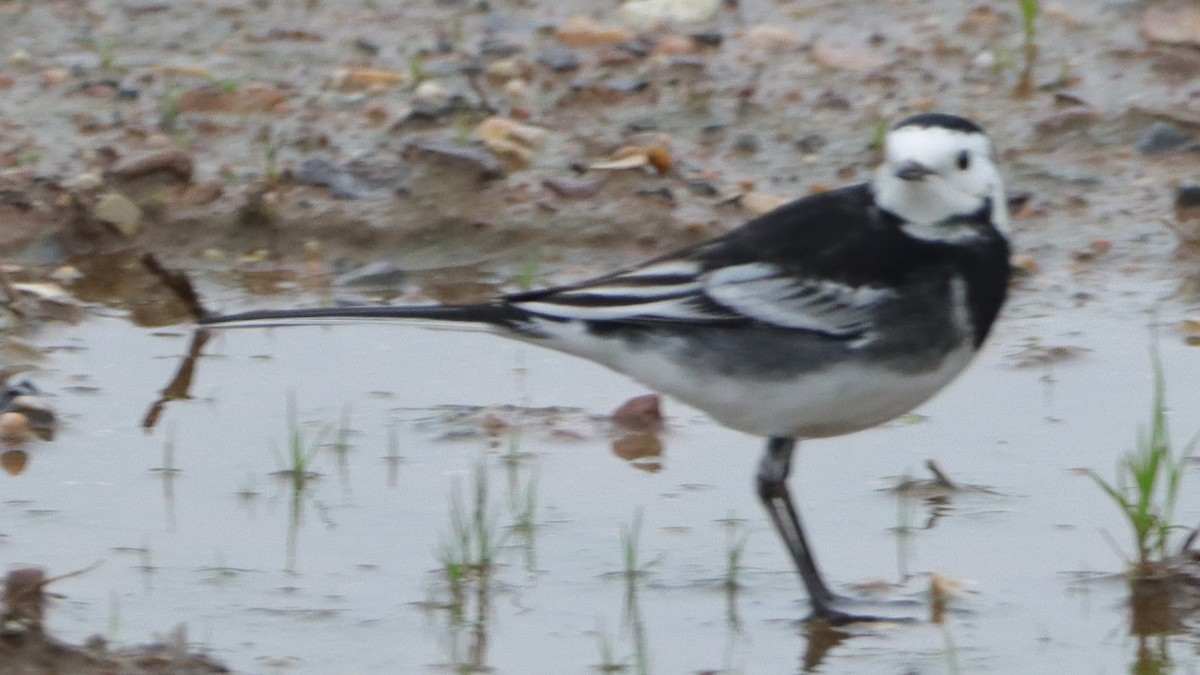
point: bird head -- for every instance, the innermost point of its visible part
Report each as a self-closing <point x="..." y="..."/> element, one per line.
<point x="935" y="167"/>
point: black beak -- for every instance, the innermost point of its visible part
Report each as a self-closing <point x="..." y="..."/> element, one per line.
<point x="913" y="171"/>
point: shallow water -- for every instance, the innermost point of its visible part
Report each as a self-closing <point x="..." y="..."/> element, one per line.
<point x="342" y="573"/>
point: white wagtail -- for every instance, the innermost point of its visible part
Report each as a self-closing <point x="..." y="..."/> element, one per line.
<point x="831" y="314"/>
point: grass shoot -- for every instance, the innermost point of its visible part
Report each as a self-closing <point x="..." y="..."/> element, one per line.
<point x="1146" y="488"/>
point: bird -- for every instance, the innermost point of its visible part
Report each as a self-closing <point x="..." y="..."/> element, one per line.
<point x="831" y="314"/>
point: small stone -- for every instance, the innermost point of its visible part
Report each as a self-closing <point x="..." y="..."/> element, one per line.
<point x="759" y="203"/>
<point x="1161" y="137"/>
<point x="175" y="162"/>
<point x="119" y="211"/>
<point x="580" y="31"/>
<point x="1187" y="214"/>
<point x="89" y="180"/>
<point x="811" y="144"/>
<point x="574" y="188"/>
<point x="53" y="76"/>
<point x="1077" y="118"/>
<point x="1025" y="264"/>
<point x="517" y="89"/>
<point x="482" y="163"/>
<point x="430" y="93"/>
<point x="1176" y="26"/>
<point x="773" y="38"/>
<point x="833" y="57"/>
<point x="674" y="45"/>
<point x="642" y="413"/>
<point x="708" y="38"/>
<point x="366" y="46"/>
<point x="341" y="183"/>
<point x="504" y="69"/>
<point x="66" y="274"/>
<point x="747" y="143"/>
<point x="363" y="79"/>
<point x="19" y="57"/>
<point x="559" y="59"/>
<point x="651" y="12"/>
<point x="201" y="193"/>
<point x="14" y="428"/>
<point x="251" y="99"/>
<point x="508" y="138"/>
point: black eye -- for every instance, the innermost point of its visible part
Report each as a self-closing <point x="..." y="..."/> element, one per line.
<point x="964" y="160"/>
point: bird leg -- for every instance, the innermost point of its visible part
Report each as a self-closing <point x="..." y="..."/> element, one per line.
<point x="772" y="490"/>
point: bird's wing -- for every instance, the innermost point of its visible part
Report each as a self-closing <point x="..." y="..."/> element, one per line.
<point x="686" y="290"/>
<point x="770" y="295"/>
<point x="824" y="263"/>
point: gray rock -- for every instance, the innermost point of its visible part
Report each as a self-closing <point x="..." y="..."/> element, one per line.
<point x="559" y="59"/>
<point x="1161" y="137"/>
<point x="460" y="157"/>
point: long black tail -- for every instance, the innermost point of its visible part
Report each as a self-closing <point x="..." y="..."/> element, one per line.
<point x="499" y="314"/>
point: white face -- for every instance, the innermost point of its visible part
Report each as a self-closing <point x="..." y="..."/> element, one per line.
<point x="932" y="173"/>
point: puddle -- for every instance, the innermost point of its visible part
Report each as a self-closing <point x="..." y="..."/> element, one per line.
<point x="342" y="571"/>
<point x="171" y="464"/>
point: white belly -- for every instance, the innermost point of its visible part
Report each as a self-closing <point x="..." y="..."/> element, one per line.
<point x="840" y="399"/>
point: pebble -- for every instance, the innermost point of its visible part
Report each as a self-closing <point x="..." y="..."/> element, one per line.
<point x="174" y="162"/>
<point x="19" y="57"/>
<point x="834" y="57"/>
<point x="1064" y="121"/>
<point x="53" y="76"/>
<point x="504" y="69"/>
<point x="89" y="180"/>
<point x="471" y="158"/>
<point x="201" y="193"/>
<point x="119" y="211"/>
<point x="517" y="89"/>
<point x="430" y="93"/>
<point x="362" y="79"/>
<point x="559" y="59"/>
<point x="14" y="428"/>
<point x="250" y="99"/>
<point x="708" y="38"/>
<point x="66" y="274"/>
<point x="509" y="138"/>
<point x="674" y="45"/>
<point x="746" y="143"/>
<point x="651" y="12"/>
<point x="1187" y="213"/>
<point x="642" y="413"/>
<point x="772" y="38"/>
<point x="759" y="203"/>
<point x="580" y="31"/>
<point x="574" y="188"/>
<point x="1161" y="137"/>
<point x="366" y="46"/>
<point x="811" y="144"/>
<point x="1174" y="26"/>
